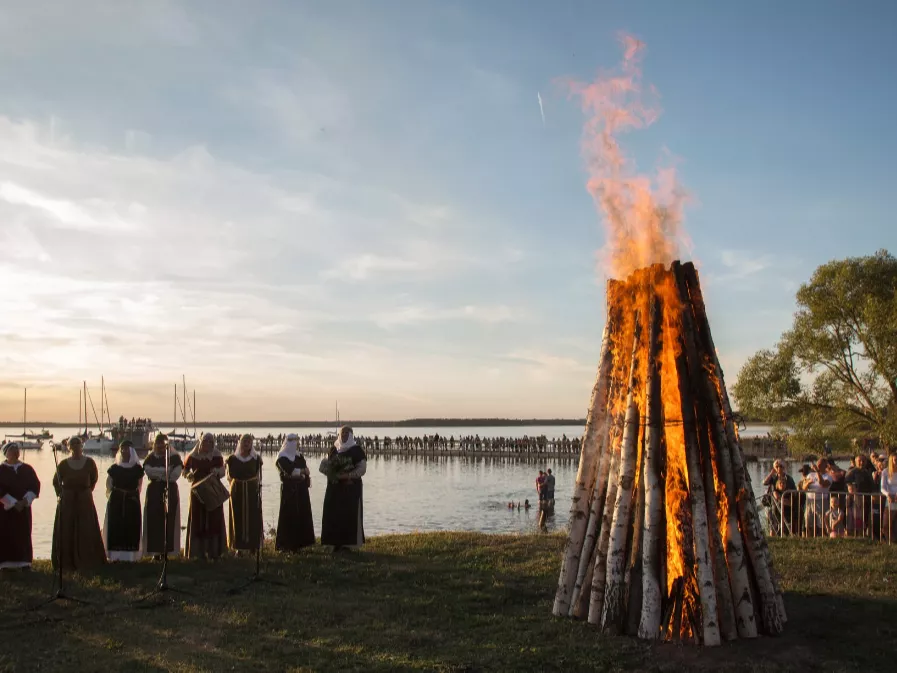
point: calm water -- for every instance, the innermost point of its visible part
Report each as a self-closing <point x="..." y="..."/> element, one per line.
<point x="401" y="495"/>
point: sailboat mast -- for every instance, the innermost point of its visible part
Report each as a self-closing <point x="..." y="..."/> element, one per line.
<point x="25" y="421"/>
<point x="102" y="402"/>
<point x="174" y="417"/>
<point x="85" y="407"/>
<point x="79" y="411"/>
<point x="194" y="412"/>
<point x="184" y="379"/>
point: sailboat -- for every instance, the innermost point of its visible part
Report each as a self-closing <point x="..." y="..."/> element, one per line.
<point x="101" y="441"/>
<point x="183" y="441"/>
<point x="28" y="440"/>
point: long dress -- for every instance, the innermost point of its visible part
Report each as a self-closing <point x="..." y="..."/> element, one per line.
<point x="121" y="531"/>
<point x="342" y="524"/>
<point x="17" y="482"/>
<point x="154" y="504"/>
<point x="76" y="532"/>
<point x="295" y="527"/>
<point x="205" y="529"/>
<point x="245" y="530"/>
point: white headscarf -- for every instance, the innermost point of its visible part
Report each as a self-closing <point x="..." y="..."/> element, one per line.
<point x="196" y="453"/>
<point x="289" y="446"/>
<point x="348" y="444"/>
<point x="244" y="459"/>
<point x="9" y="445"/>
<point x="132" y="458"/>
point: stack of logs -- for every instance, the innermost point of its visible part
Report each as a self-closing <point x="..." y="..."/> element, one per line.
<point x="665" y="540"/>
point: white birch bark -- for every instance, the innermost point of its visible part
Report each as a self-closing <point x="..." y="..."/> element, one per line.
<point x="739" y="580"/>
<point x="614" y="595"/>
<point x="584" y="478"/>
<point x="599" y="574"/>
<point x="586" y="559"/>
<point x="649" y="625"/>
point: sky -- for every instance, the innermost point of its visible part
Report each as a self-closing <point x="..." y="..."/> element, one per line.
<point x="298" y="203"/>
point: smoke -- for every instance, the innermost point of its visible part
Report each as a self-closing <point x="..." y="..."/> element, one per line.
<point x="642" y="214"/>
<point x="541" y="109"/>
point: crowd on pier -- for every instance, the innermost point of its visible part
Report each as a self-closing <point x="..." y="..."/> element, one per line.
<point x="133" y="528"/>
<point x="829" y="501"/>
<point x="427" y="444"/>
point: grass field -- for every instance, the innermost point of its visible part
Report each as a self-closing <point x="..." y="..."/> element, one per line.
<point x="440" y="601"/>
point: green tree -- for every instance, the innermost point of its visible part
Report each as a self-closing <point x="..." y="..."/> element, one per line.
<point x="834" y="373"/>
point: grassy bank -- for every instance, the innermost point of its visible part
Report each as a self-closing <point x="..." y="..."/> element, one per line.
<point x="443" y="601"/>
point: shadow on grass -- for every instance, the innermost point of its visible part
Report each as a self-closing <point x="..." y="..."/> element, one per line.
<point x="451" y="602"/>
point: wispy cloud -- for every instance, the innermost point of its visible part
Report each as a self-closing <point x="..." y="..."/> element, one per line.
<point x="541" y="108"/>
<point x="414" y="315"/>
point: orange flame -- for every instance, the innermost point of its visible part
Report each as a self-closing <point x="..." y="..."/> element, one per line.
<point x="643" y="216"/>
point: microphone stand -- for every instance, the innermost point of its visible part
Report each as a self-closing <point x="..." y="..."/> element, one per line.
<point x="257" y="576"/>
<point x="162" y="585"/>
<point x="59" y="594"/>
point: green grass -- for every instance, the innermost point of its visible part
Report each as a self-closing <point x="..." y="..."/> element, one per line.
<point x="440" y="601"/>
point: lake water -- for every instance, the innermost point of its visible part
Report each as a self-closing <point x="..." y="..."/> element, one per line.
<point x="401" y="494"/>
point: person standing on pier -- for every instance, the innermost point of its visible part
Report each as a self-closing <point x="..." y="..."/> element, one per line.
<point x="121" y="529"/>
<point x="77" y="528"/>
<point x="243" y="469"/>
<point x="205" y="528"/>
<point x="295" y="528"/>
<point x="154" y="506"/>
<point x="19" y="486"/>
<point x="342" y="524"/>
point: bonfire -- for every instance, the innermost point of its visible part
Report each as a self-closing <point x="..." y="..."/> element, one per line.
<point x="664" y="539"/>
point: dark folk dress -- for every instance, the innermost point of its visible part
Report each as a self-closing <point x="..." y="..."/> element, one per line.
<point x="205" y="529"/>
<point x="342" y="523"/>
<point x="295" y="528"/>
<point x="154" y="504"/>
<point x="245" y="530"/>
<point x="76" y="531"/>
<point x="15" y="526"/>
<point x="123" y="521"/>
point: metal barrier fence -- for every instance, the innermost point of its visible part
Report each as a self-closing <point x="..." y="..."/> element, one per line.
<point x="826" y="514"/>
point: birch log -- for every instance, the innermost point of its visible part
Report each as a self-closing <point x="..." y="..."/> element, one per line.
<point x="584" y="476"/>
<point x="599" y="574"/>
<point x="633" y="583"/>
<point x="596" y="509"/>
<point x="772" y="608"/>
<point x="697" y="375"/>
<point x="735" y="555"/>
<point x="652" y="596"/>
<point x="703" y="562"/>
<point x="614" y="597"/>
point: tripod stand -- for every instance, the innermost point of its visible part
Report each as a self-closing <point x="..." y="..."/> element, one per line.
<point x="162" y="585"/>
<point x="257" y="576"/>
<point x="59" y="594"/>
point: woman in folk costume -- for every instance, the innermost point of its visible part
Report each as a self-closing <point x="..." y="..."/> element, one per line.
<point x="295" y="528"/>
<point x="243" y="469"/>
<point x="205" y="528"/>
<point x="121" y="529"/>
<point x="19" y="487"/>
<point x="153" y="541"/>
<point x="77" y="539"/>
<point x="343" y="522"/>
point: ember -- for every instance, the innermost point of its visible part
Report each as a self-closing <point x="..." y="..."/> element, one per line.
<point x="665" y="541"/>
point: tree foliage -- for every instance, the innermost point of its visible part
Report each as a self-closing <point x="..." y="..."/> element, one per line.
<point x="834" y="373"/>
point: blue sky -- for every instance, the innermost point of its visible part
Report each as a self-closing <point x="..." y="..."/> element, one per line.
<point x="298" y="202"/>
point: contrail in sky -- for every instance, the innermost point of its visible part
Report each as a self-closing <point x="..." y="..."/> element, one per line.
<point x="541" y="109"/>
